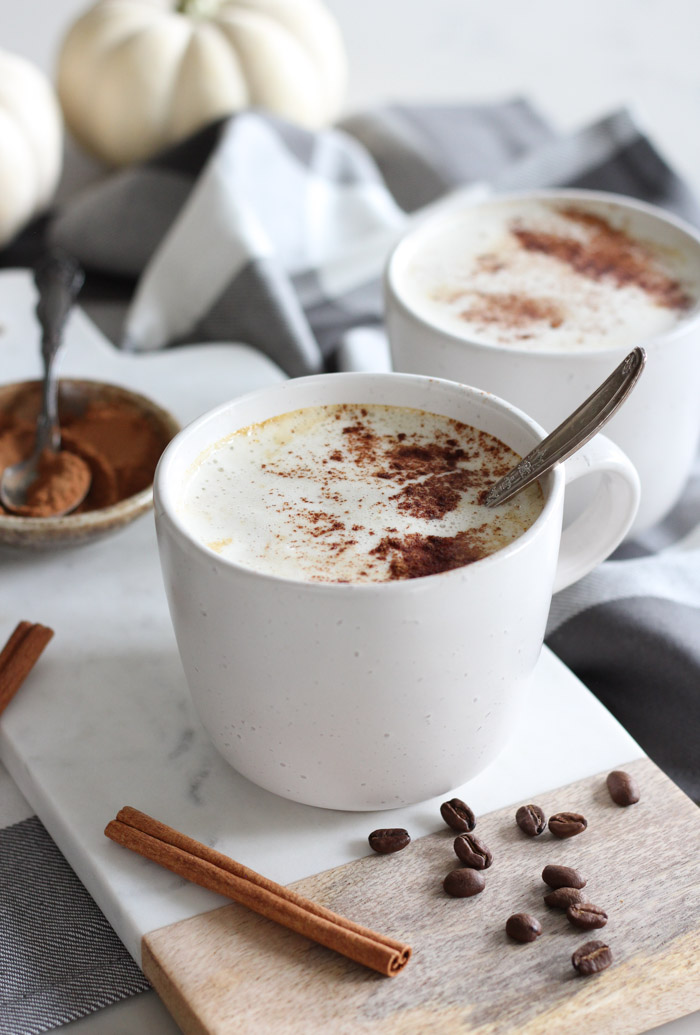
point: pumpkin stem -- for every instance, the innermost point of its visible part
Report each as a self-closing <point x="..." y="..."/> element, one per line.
<point x="198" y="8"/>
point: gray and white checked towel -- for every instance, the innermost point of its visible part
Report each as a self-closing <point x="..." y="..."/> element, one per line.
<point x="257" y="231"/>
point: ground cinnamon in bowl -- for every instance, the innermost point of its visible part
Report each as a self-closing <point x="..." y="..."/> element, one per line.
<point x="62" y="478"/>
<point x="118" y="434"/>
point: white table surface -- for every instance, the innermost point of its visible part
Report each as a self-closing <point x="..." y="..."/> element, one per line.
<point x="574" y="61"/>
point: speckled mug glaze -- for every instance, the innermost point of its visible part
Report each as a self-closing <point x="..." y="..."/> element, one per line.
<point x="375" y="695"/>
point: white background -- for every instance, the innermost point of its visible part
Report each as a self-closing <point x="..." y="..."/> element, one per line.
<point x="575" y="59"/>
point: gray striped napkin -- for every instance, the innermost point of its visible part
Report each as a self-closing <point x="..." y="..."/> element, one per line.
<point x="59" y="958"/>
<point x="257" y="231"/>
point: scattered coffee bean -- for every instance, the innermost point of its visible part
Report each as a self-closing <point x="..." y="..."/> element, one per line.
<point x="562" y="898"/>
<point x="562" y="877"/>
<point x="391" y="839"/>
<point x="464" y="883"/>
<point x="531" y="820"/>
<point x="567" y="824"/>
<point x="523" y="927"/>
<point x="586" y="916"/>
<point x="458" y="815"/>
<point x="592" y="957"/>
<point x="623" y="788"/>
<point x="472" y="851"/>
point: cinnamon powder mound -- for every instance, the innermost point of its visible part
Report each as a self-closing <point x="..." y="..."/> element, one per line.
<point x="62" y="479"/>
<point x="415" y="555"/>
<point x="607" y="254"/>
<point x="128" y="443"/>
<point x="119" y="446"/>
<point x="435" y="496"/>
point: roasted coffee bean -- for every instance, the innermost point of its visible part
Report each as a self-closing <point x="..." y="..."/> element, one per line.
<point x="623" y="788"/>
<point x="562" y="898"/>
<point x="472" y="851"/>
<point x="586" y="916"/>
<point x="592" y="957"/>
<point x="531" y="820"/>
<point x="391" y="839"/>
<point x="562" y="877"/>
<point x="523" y="927"/>
<point x="458" y="815"/>
<point x="567" y="824"/>
<point x="464" y="883"/>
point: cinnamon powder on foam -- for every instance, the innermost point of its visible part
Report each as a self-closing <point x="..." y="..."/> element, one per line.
<point x="605" y="254"/>
<point x="119" y="446"/>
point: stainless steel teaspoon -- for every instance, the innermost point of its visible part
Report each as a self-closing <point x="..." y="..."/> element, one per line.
<point x="58" y="278"/>
<point x="572" y="433"/>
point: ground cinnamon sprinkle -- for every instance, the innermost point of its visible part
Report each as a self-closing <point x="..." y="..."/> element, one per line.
<point x="607" y="254"/>
<point x="435" y="496"/>
<point x="431" y="477"/>
<point x="417" y="555"/>
<point x="512" y="310"/>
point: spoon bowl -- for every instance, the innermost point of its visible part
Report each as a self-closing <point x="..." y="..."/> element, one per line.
<point x="48" y="484"/>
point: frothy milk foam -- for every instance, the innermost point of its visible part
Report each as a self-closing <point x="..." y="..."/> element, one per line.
<point x="354" y="493"/>
<point x="548" y="275"/>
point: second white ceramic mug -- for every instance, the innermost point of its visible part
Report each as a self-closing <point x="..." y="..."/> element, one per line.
<point x="375" y="695"/>
<point x="659" y="425"/>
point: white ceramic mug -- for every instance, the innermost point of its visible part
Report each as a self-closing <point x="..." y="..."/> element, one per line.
<point x="374" y="695"/>
<point x="659" y="425"/>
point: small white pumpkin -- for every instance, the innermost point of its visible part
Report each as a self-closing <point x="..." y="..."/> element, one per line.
<point x="137" y="75"/>
<point x="31" y="143"/>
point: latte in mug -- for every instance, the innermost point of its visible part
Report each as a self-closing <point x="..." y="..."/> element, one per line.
<point x="357" y="695"/>
<point x="548" y="275"/>
<point x="355" y="493"/>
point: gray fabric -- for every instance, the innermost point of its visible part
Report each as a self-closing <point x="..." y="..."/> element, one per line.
<point x="284" y="334"/>
<point x="59" y="958"/>
<point x="422" y="152"/>
<point x="631" y="632"/>
<point x="142" y="203"/>
<point x="641" y="657"/>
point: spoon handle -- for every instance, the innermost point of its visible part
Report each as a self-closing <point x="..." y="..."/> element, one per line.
<point x="572" y="433"/>
<point x="58" y="278"/>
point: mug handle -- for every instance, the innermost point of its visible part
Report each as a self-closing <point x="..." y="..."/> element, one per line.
<point x="603" y="524"/>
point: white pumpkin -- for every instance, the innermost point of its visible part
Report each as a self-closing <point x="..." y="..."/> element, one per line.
<point x="137" y="75"/>
<point x="31" y="143"/>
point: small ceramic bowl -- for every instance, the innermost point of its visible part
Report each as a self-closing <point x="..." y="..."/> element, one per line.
<point x="43" y="533"/>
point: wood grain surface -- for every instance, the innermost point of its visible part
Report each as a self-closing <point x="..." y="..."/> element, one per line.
<point x="230" y="971"/>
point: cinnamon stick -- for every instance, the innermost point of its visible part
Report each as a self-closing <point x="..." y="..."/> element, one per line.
<point x="217" y="872"/>
<point x="18" y="657"/>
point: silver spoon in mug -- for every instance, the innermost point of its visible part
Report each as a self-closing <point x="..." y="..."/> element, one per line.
<point x="58" y="278"/>
<point x="572" y="433"/>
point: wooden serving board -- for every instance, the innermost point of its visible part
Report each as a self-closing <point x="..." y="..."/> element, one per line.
<point x="229" y="970"/>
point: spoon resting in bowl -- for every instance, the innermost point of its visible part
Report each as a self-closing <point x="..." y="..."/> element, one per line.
<point x="51" y="482"/>
<point x="572" y="433"/>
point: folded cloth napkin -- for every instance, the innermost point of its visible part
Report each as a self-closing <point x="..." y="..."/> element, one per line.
<point x="258" y="231"/>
